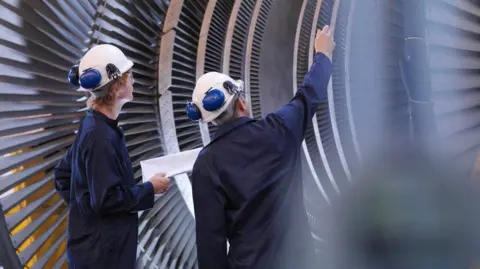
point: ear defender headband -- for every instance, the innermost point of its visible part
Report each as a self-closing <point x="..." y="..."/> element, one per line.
<point x="91" y="77"/>
<point x="213" y="100"/>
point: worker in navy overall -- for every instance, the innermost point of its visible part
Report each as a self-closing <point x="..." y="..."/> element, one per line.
<point x="95" y="177"/>
<point x="247" y="184"/>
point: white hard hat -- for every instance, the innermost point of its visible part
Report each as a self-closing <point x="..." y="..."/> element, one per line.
<point x="100" y="65"/>
<point x="212" y="95"/>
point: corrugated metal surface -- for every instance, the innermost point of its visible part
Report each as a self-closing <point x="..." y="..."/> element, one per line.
<point x="39" y="115"/>
<point x="252" y="55"/>
<point x="40" y="111"/>
<point x="216" y="38"/>
<point x="314" y="11"/>
<point x="453" y="32"/>
<point x="239" y="39"/>
<point x="344" y="132"/>
<point x="187" y="33"/>
<point x="378" y="100"/>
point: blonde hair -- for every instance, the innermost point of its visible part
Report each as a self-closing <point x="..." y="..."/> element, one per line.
<point x="108" y="99"/>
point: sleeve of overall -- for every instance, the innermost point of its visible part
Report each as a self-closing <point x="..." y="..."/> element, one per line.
<point x="296" y="115"/>
<point x="210" y="220"/>
<point x="108" y="194"/>
<point x="62" y="175"/>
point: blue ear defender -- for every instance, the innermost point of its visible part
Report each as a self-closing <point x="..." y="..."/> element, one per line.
<point x="193" y="112"/>
<point x="90" y="78"/>
<point x="73" y="76"/>
<point x="212" y="101"/>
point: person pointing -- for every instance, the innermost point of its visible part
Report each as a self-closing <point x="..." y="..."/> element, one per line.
<point x="247" y="184"/>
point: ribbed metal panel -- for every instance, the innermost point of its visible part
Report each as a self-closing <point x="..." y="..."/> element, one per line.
<point x="345" y="135"/>
<point x="39" y="115"/>
<point x="41" y="112"/>
<point x="234" y="50"/>
<point x="304" y="52"/>
<point x="378" y="100"/>
<point x="167" y="238"/>
<point x="324" y="122"/>
<point x="252" y="62"/>
<point x="314" y="190"/>
<point x="313" y="200"/>
<point x="167" y="234"/>
<point x="216" y="40"/>
<point x="164" y="229"/>
<point x="315" y="16"/>
<point x="453" y="32"/>
<point x="239" y="39"/>
<point x="216" y="36"/>
<point x="187" y="33"/>
<point x="135" y="29"/>
<point x="389" y="80"/>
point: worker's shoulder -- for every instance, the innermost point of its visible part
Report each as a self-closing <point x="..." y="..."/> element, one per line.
<point x="203" y="155"/>
<point x="272" y="125"/>
<point x="95" y="132"/>
<point x="204" y="160"/>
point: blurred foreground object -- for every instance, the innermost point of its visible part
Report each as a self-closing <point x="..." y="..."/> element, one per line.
<point x="407" y="211"/>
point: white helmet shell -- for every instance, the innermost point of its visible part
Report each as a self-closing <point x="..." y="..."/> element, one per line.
<point x="98" y="57"/>
<point x="208" y="81"/>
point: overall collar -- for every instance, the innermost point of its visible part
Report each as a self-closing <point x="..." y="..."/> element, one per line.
<point x="100" y="116"/>
<point x="227" y="127"/>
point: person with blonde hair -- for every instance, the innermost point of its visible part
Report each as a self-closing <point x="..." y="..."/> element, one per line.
<point x="95" y="177"/>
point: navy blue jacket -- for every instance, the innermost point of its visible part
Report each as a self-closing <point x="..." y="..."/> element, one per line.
<point x="247" y="186"/>
<point x="96" y="180"/>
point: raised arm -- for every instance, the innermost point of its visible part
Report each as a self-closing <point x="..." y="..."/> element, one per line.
<point x="210" y="220"/>
<point x="296" y="115"/>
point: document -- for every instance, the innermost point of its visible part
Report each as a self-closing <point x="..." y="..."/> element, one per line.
<point x="175" y="165"/>
<point x="172" y="164"/>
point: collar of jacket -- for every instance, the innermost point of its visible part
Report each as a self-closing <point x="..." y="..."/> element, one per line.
<point x="228" y="127"/>
<point x="100" y="116"/>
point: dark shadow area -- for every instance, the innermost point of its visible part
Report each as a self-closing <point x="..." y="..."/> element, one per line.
<point x="276" y="60"/>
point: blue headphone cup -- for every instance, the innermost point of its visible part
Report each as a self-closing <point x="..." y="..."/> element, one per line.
<point x="90" y="79"/>
<point x="193" y="112"/>
<point x="73" y="76"/>
<point x="213" y="100"/>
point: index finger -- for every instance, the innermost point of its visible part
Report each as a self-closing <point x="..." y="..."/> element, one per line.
<point x="326" y="29"/>
<point x="330" y="30"/>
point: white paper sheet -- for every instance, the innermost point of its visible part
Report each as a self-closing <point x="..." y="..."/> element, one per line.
<point x="175" y="165"/>
<point x="172" y="164"/>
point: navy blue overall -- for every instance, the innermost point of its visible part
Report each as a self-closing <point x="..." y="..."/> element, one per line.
<point x="96" y="180"/>
<point x="247" y="186"/>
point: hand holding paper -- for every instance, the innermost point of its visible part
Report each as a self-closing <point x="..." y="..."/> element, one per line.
<point x="172" y="165"/>
<point x="160" y="183"/>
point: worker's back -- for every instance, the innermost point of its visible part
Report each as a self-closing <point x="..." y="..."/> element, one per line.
<point x="256" y="166"/>
<point x="101" y="234"/>
<point x="247" y="184"/>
